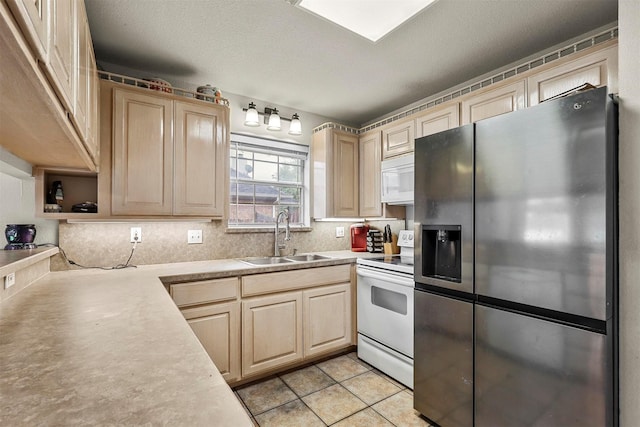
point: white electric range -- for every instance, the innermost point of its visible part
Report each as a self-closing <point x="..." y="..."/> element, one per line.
<point x="385" y="311"/>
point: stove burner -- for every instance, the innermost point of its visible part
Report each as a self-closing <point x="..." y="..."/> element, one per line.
<point x="19" y="246"/>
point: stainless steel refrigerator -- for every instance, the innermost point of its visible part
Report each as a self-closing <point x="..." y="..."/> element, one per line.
<point x="516" y="268"/>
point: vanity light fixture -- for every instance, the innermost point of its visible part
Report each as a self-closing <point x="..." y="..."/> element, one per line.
<point x="271" y="119"/>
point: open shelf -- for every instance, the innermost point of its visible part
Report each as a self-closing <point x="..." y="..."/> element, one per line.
<point x="78" y="186"/>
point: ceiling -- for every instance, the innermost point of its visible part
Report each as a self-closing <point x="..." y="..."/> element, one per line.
<point x="273" y="51"/>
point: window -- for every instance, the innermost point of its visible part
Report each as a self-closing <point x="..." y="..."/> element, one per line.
<point x="266" y="177"/>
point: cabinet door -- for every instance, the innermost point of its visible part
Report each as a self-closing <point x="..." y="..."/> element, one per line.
<point x="81" y="70"/>
<point x="93" y="97"/>
<point x="271" y="332"/>
<point x="370" y="158"/>
<point x="398" y="139"/>
<point x="345" y="178"/>
<point x="598" y="69"/>
<point x="438" y="120"/>
<point x="142" y="154"/>
<point x="327" y="319"/>
<point x="217" y="327"/>
<point x="33" y="18"/>
<point x="62" y="49"/>
<point x="200" y="144"/>
<point x="503" y="99"/>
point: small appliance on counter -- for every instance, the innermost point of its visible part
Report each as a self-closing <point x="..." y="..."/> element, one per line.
<point x="359" y="237"/>
<point x="20" y="236"/>
<point x="374" y="240"/>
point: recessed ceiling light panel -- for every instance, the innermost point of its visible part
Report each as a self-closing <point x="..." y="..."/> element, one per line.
<point x="372" y="19"/>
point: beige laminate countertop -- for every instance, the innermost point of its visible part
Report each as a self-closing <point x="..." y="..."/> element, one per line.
<point x="97" y="347"/>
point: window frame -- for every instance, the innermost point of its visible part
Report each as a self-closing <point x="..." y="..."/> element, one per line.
<point x="263" y="145"/>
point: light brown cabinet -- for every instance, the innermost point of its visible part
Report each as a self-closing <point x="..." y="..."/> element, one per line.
<point x="370" y="153"/>
<point x="212" y="309"/>
<point x="599" y="68"/>
<point x="335" y="174"/>
<point x="200" y="152"/>
<point x="261" y="323"/>
<point x="170" y="156"/>
<point x="271" y="332"/>
<point x="289" y="316"/>
<point x="327" y="318"/>
<point x="493" y="102"/>
<point x="142" y="154"/>
<point x="398" y="138"/>
<point x="38" y="56"/>
<point x="437" y="120"/>
<point x="62" y="49"/>
<point x="33" y="18"/>
<point x="217" y="327"/>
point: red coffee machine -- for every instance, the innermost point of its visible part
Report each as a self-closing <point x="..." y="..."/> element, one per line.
<point x="359" y="237"/>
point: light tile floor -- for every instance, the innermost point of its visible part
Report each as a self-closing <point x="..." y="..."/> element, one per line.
<point x="343" y="391"/>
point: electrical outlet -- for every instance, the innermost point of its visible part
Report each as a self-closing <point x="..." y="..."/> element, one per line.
<point x="339" y="231"/>
<point x="136" y="234"/>
<point x="9" y="280"/>
<point x="194" y="236"/>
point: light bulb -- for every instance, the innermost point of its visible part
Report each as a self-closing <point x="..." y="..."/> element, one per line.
<point x="274" y="120"/>
<point x="296" y="127"/>
<point x="252" y="118"/>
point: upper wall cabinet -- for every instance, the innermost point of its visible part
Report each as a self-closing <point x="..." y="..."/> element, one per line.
<point x="38" y="53"/>
<point x="398" y="139"/>
<point x="142" y="154"/>
<point x="166" y="155"/>
<point x="62" y="50"/>
<point x="598" y="68"/>
<point x="494" y="101"/>
<point x="33" y="17"/>
<point x="200" y="156"/>
<point x="370" y="153"/>
<point x="335" y="174"/>
<point x="438" y="120"/>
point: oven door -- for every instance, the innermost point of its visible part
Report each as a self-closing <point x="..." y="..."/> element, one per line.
<point x="385" y="308"/>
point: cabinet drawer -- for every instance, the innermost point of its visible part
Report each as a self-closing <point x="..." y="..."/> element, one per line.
<point x="295" y="279"/>
<point x="205" y="291"/>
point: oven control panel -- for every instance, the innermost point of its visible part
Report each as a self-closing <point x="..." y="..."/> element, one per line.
<point x="405" y="238"/>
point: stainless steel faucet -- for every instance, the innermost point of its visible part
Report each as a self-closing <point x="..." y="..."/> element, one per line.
<point x="287" y="232"/>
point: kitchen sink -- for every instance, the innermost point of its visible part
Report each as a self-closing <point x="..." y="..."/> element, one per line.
<point x="308" y="257"/>
<point x="267" y="260"/>
<point x="271" y="260"/>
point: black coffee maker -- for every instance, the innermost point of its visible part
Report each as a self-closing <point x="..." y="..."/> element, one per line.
<point x="20" y="236"/>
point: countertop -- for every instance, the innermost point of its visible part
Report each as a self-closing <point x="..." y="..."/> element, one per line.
<point x="110" y="347"/>
<point x="12" y="261"/>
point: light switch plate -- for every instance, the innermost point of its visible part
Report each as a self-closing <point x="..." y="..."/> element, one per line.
<point x="194" y="236"/>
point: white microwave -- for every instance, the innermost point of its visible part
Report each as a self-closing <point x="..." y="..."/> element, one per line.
<point x="397" y="180"/>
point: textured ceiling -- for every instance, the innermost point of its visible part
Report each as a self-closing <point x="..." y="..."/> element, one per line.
<point x="276" y="52"/>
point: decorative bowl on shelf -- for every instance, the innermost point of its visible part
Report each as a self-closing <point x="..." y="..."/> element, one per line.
<point x="160" y="85"/>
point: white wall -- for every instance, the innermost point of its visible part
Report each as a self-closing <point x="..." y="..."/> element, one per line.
<point x="17" y="199"/>
<point x="629" y="84"/>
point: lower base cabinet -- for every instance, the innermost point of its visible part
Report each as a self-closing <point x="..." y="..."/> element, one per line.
<point x="271" y="332"/>
<point x="327" y="318"/>
<point x="217" y="326"/>
<point x="262" y="323"/>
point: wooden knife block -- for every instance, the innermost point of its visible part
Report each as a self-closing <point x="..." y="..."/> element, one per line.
<point x="392" y="248"/>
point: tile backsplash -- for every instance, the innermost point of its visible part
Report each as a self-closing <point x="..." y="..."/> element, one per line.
<point x="107" y="244"/>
